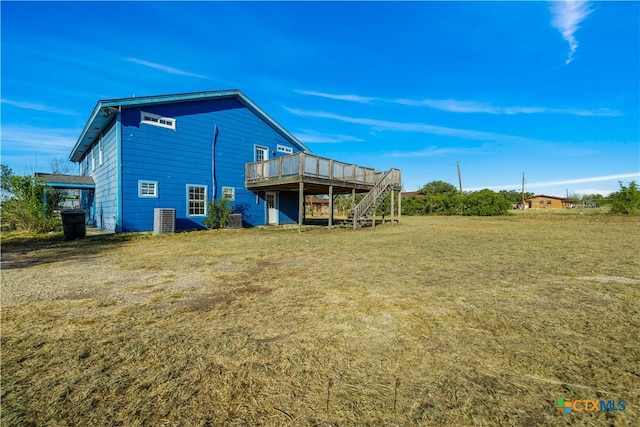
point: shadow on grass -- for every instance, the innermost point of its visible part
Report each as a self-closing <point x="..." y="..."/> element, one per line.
<point x="22" y="250"/>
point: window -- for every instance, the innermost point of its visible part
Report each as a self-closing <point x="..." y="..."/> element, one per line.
<point x="93" y="159"/>
<point x="548" y="202"/>
<point x="262" y="154"/>
<point x="156" y="120"/>
<point x="196" y="200"/>
<point x="285" y="149"/>
<point x="229" y="193"/>
<point x="148" y="189"/>
<point x="100" y="152"/>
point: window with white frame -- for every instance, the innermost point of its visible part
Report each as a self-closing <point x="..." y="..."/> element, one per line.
<point x="156" y="120"/>
<point x="93" y="159"/>
<point x="148" y="189"/>
<point x="196" y="200"/>
<point x="100" y="152"/>
<point x="285" y="149"/>
<point x="261" y="153"/>
<point x="229" y="193"/>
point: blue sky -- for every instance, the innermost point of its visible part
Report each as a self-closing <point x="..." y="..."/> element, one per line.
<point x="548" y="89"/>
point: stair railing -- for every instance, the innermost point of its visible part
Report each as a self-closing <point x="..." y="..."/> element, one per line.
<point x="371" y="197"/>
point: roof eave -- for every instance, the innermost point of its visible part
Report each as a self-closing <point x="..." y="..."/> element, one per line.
<point x="102" y="106"/>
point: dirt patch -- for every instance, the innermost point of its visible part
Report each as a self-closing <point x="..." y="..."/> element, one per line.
<point x="611" y="279"/>
<point x="205" y="302"/>
<point x="261" y="266"/>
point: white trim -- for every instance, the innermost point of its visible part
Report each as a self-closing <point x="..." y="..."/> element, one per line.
<point x="145" y="193"/>
<point x="156" y="120"/>
<point x="204" y="201"/>
<point x="275" y="208"/>
<point x="100" y="149"/>
<point x="285" y="149"/>
<point x="231" y="192"/>
<point x="265" y="151"/>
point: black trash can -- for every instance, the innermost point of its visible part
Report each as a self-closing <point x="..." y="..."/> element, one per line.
<point x="73" y="224"/>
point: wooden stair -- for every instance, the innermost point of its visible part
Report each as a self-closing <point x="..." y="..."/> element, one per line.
<point x="360" y="214"/>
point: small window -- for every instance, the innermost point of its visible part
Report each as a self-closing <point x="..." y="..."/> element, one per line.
<point x="148" y="189"/>
<point x="229" y="193"/>
<point x="549" y="202"/>
<point x="285" y="149"/>
<point x="156" y="120"/>
<point x="196" y="200"/>
<point x="93" y="159"/>
<point x="100" y="152"/>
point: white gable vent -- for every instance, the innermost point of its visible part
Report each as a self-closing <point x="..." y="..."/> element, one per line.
<point x="164" y="221"/>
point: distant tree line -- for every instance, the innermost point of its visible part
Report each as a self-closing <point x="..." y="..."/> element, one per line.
<point x="442" y="198"/>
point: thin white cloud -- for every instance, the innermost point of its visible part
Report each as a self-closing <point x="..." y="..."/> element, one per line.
<point x="352" y="98"/>
<point x="566" y="18"/>
<point x="165" y="68"/>
<point x="458" y="106"/>
<point x="461" y="106"/>
<point x="386" y="125"/>
<point x="26" y="139"/>
<point x="38" y="107"/>
<point x="427" y="152"/>
<point x="29" y="149"/>
<point x="532" y="185"/>
<point x="311" y="137"/>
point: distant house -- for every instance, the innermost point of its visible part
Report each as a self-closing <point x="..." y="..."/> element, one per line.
<point x="180" y="151"/>
<point x="317" y="206"/>
<point x="411" y="194"/>
<point x="547" y="202"/>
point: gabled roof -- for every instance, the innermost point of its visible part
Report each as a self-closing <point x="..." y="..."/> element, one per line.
<point x="104" y="113"/>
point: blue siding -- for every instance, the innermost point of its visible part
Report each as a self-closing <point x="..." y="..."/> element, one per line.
<point x="101" y="207"/>
<point x="175" y="158"/>
<point x="288" y="204"/>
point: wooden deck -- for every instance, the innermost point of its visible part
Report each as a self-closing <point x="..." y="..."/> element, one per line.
<point x="316" y="173"/>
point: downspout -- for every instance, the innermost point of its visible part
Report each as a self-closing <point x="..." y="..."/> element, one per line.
<point x="213" y="161"/>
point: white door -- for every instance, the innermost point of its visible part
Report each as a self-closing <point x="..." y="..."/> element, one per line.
<point x="261" y="155"/>
<point x="272" y="208"/>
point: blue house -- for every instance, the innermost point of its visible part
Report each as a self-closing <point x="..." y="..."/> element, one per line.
<point x="180" y="151"/>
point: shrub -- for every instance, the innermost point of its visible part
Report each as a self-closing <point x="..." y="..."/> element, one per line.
<point x="25" y="206"/>
<point x="485" y="203"/>
<point x="218" y="212"/>
<point x="627" y="200"/>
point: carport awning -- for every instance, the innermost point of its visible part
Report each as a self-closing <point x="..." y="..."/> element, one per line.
<point x="67" y="182"/>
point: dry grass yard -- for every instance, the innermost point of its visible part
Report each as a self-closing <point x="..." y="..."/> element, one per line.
<point x="435" y="321"/>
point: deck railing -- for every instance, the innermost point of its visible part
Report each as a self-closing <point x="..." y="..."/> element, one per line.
<point x="303" y="164"/>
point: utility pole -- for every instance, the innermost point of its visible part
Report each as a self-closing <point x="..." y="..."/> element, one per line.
<point x="460" y="183"/>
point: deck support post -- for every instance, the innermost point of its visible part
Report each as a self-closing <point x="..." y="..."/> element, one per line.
<point x="330" y="206"/>
<point x="399" y="205"/>
<point x="300" y="205"/>
<point x="393" y="206"/>
<point x="353" y="201"/>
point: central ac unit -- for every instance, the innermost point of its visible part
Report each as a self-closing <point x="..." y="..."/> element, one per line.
<point x="164" y="221"/>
